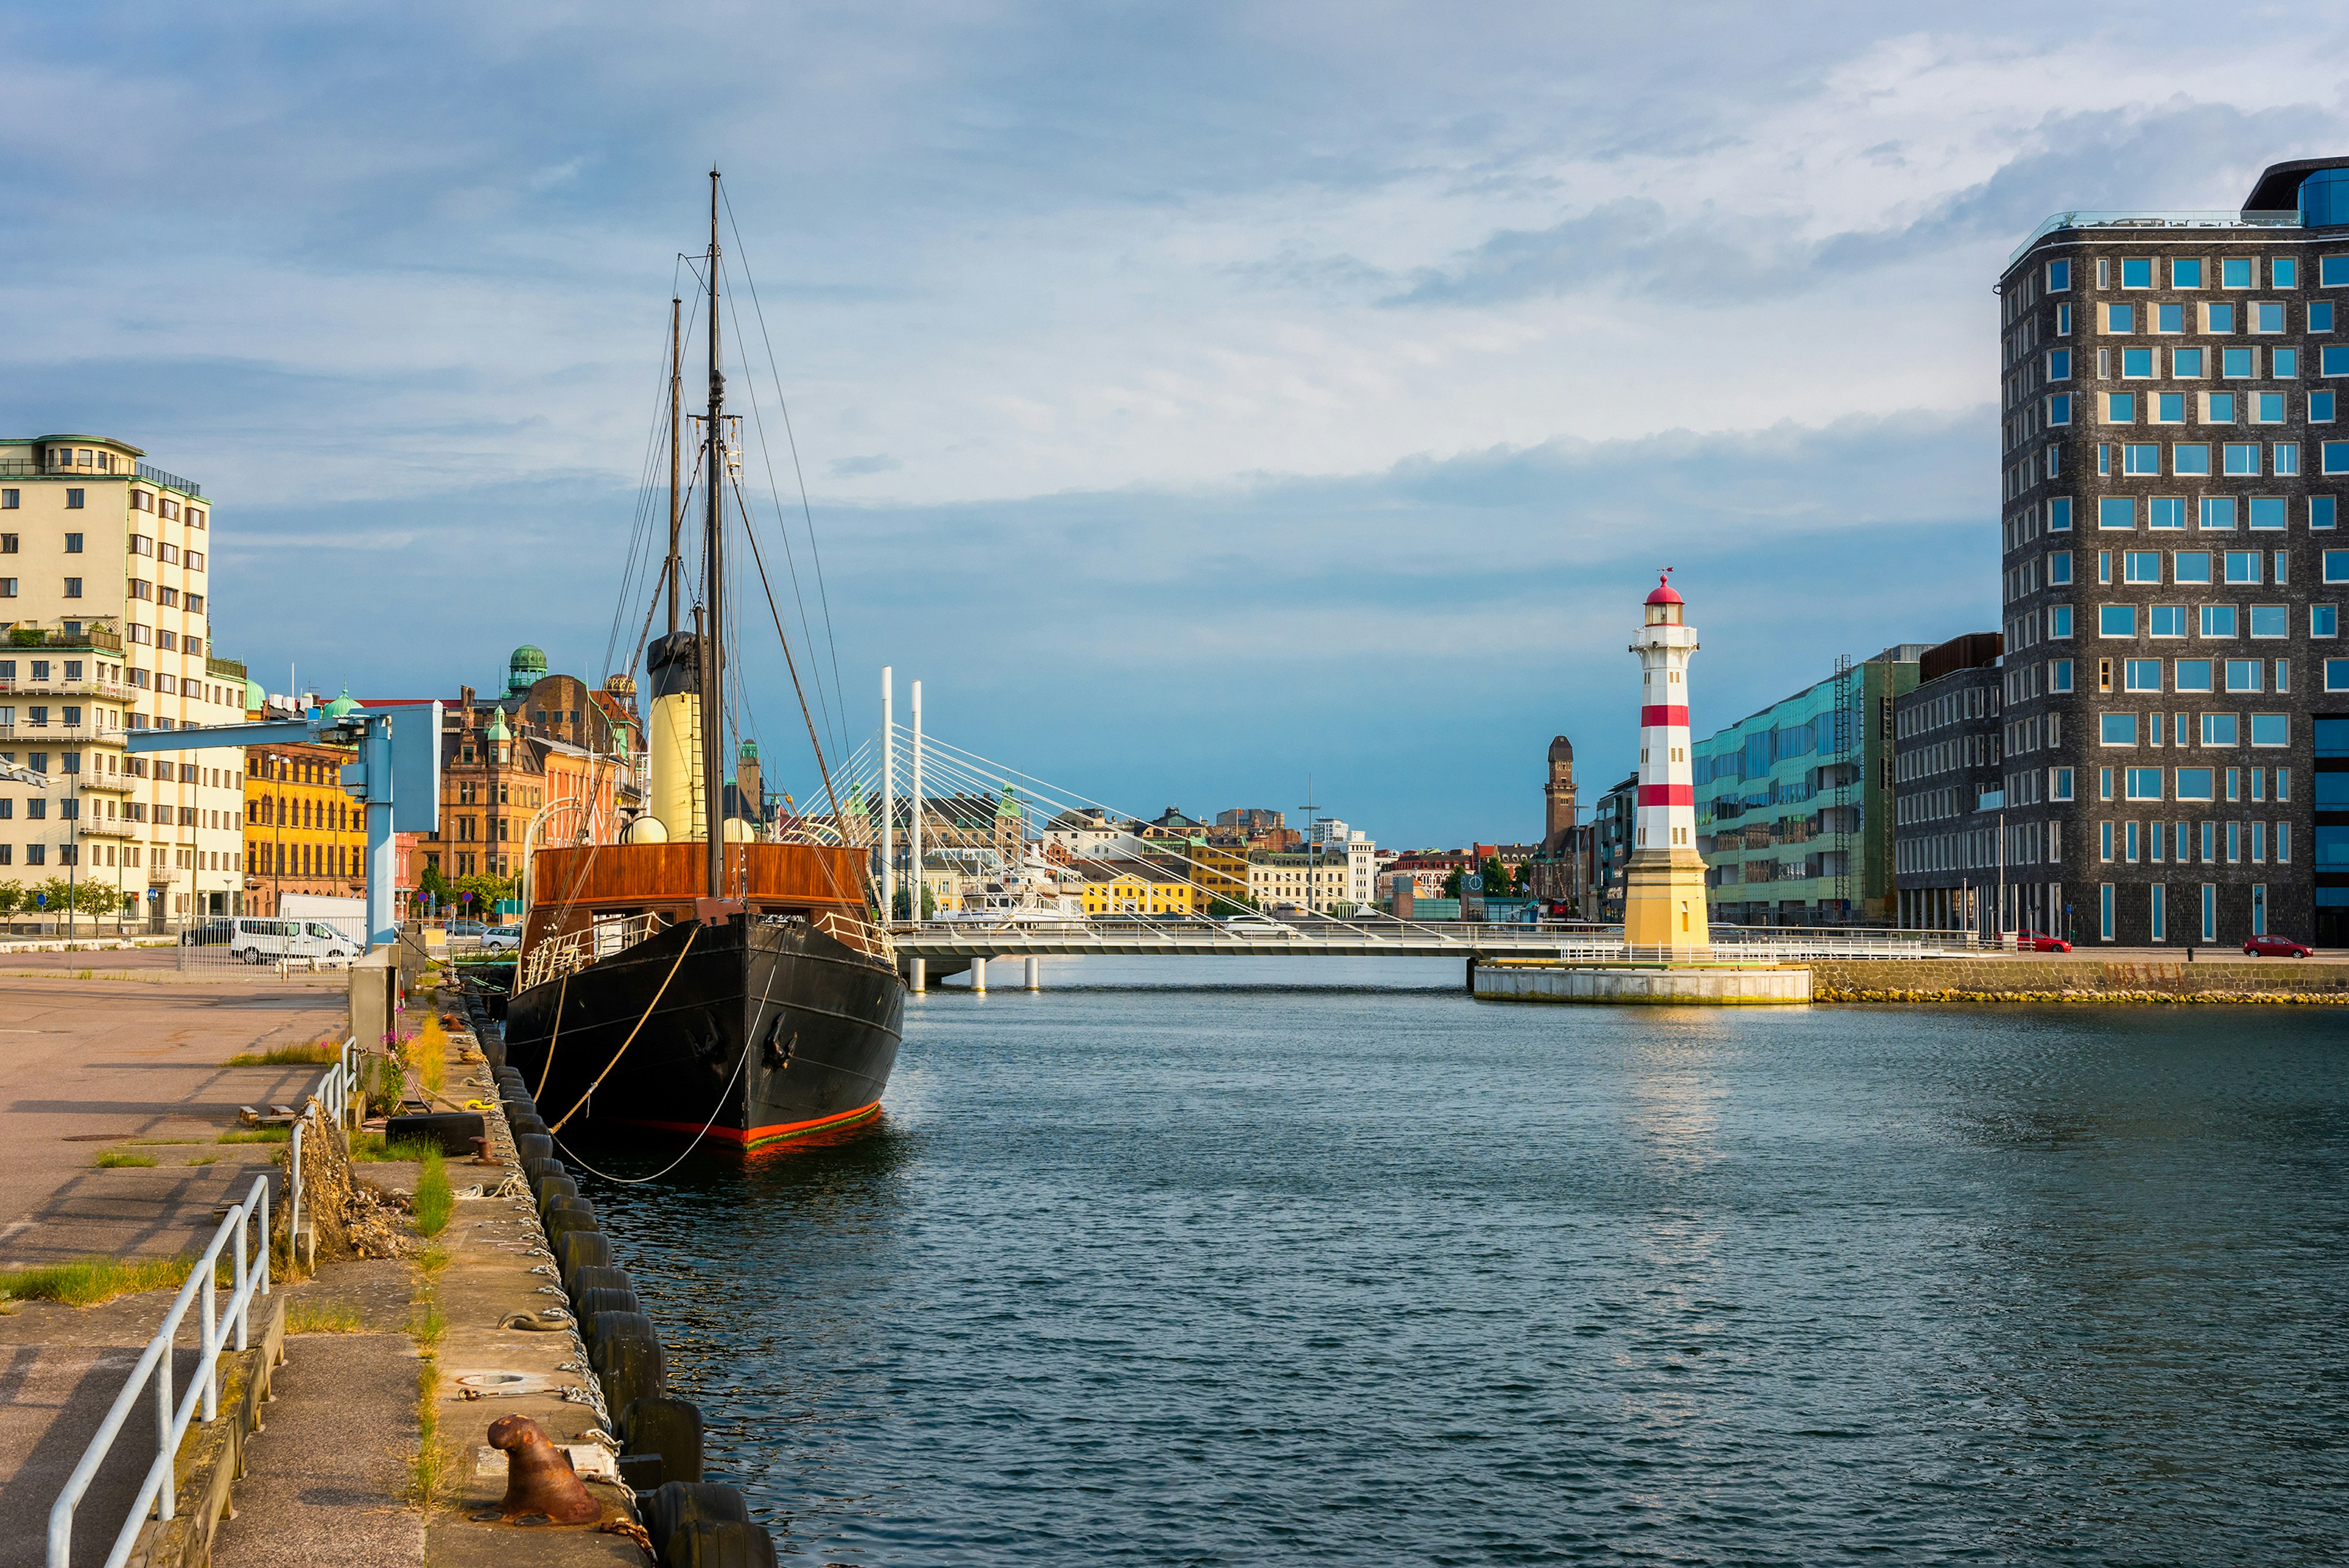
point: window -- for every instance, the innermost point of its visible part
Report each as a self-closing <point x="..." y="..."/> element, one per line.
<point x="2217" y="408"/>
<point x="2336" y="566"/>
<point x="2238" y="364"/>
<point x="2319" y="408"/>
<point x="2243" y="674"/>
<point x="2059" y="618"/>
<point x="2191" y="566"/>
<point x="2141" y="459"/>
<point x="2169" y="408"/>
<point x="2136" y="365"/>
<point x="10" y="500"/>
<point x="2332" y="360"/>
<point x="2185" y="361"/>
<point x="2120" y="408"/>
<point x="2336" y="675"/>
<point x="2194" y="783"/>
<point x="2059" y="514"/>
<point x="2165" y="621"/>
<point x="2059" y="568"/>
<point x="2059" y="675"/>
<point x="2325" y="620"/>
<point x="2141" y="674"/>
<point x="2271" y="729"/>
<point x="2193" y="675"/>
<point x="2267" y="408"/>
<point x="2137" y="271"/>
<point x="2242" y="565"/>
<point x="2115" y="511"/>
<point x="2235" y="272"/>
<point x="2271" y="620"/>
<point x="2283" y="458"/>
<point x="2117" y="729"/>
<point x="2168" y="318"/>
<point x="2059" y="409"/>
<point x="2186" y="273"/>
<point x="2219" y="730"/>
<point x="2142" y="784"/>
<point x="2117" y="620"/>
<point x="2120" y="318"/>
<point x="2059" y="276"/>
<point x="2188" y="458"/>
<point x="2059" y="365"/>
<point x="2285" y="273"/>
<point x="73" y="587"/>
<point x="2219" y="620"/>
<point x="2141" y="565"/>
<point x="2241" y="458"/>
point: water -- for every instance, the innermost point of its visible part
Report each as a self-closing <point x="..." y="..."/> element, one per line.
<point x="1213" y="1277"/>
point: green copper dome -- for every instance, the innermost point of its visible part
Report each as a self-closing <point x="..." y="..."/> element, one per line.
<point x="345" y="704"/>
<point x="255" y="699"/>
<point x="525" y="670"/>
<point x="497" y="730"/>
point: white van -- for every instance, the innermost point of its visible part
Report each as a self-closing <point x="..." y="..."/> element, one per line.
<point x="262" y="941"/>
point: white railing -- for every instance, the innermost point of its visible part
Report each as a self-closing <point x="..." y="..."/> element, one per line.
<point x="855" y="932"/>
<point x="551" y="958"/>
<point x="159" y="1491"/>
<point x="1310" y="935"/>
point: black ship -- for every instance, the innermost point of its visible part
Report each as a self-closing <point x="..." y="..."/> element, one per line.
<point x="687" y="980"/>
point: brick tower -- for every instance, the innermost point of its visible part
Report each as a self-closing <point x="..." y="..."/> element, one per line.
<point x="1664" y="902"/>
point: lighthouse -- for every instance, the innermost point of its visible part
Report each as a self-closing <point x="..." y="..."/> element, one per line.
<point x="1664" y="884"/>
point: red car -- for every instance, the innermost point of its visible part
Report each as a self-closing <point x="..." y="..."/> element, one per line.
<point x="2275" y="947"/>
<point x="2039" y="943"/>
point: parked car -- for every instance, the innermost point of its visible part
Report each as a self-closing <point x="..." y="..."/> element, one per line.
<point x="2276" y="947"/>
<point x="212" y="933"/>
<point x="501" y="939"/>
<point x="1255" y="926"/>
<point x="259" y="941"/>
<point x="466" y="928"/>
<point x="2039" y="943"/>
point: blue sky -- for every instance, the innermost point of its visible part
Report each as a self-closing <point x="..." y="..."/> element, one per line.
<point x="1194" y="398"/>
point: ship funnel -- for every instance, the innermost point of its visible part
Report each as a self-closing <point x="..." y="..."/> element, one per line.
<point x="673" y="742"/>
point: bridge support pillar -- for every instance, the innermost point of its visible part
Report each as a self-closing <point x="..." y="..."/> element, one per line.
<point x="978" y="976"/>
<point x="918" y="975"/>
<point x="1035" y="974"/>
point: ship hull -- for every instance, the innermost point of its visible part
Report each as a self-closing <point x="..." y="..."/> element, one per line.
<point x="750" y="1031"/>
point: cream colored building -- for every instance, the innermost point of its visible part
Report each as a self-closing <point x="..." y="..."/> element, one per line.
<point x="106" y="627"/>
<point x="1335" y="879"/>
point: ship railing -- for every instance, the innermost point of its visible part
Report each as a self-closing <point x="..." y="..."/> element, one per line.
<point x="551" y="958"/>
<point x="853" y="931"/>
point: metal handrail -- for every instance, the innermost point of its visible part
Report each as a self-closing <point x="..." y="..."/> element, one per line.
<point x="157" y="1492"/>
<point x="550" y="958"/>
<point x="858" y="935"/>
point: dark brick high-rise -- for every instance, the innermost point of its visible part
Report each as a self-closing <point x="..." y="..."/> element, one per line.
<point x="2175" y="452"/>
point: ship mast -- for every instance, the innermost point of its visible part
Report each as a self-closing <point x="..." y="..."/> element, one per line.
<point x="713" y="578"/>
<point x="676" y="449"/>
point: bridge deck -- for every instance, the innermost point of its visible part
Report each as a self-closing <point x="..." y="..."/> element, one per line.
<point x="930" y="940"/>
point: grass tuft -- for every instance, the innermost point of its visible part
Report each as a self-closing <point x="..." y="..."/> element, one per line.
<point x="162" y="1142"/>
<point x="371" y="1149"/>
<point x="434" y="1202"/>
<point x="257" y="1135"/>
<point x="86" y="1282"/>
<point x="429" y="1051"/>
<point x="114" y="1159"/>
<point x="310" y="1316"/>
<point x="312" y="1053"/>
<point x="204" y="1159"/>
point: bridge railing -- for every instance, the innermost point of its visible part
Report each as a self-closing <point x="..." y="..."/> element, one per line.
<point x="1571" y="938"/>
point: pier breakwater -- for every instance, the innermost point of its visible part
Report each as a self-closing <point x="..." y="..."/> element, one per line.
<point x="2234" y="982"/>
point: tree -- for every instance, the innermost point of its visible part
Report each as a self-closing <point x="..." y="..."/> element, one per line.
<point x="13" y="898"/>
<point x="486" y="891"/>
<point x="1498" y="883"/>
<point x="1452" y="883"/>
<point x="430" y="881"/>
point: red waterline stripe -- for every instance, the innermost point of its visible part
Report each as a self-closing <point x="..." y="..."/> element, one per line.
<point x="1666" y="794"/>
<point x="1659" y="713"/>
<point x="765" y="1133"/>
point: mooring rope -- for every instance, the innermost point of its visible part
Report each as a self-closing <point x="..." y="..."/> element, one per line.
<point x="633" y="1032"/>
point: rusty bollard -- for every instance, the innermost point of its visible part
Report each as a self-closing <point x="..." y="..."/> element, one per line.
<point x="539" y="1478"/>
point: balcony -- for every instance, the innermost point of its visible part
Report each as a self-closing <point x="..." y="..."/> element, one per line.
<point x="119" y="691"/>
<point x="96" y="639"/>
<point x="111" y="828"/>
<point x="58" y="734"/>
<point x="225" y="669"/>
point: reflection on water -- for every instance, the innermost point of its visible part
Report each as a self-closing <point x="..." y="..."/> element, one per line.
<point x="1184" y="1276"/>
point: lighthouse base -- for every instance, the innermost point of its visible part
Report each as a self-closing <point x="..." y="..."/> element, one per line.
<point x="1664" y="901"/>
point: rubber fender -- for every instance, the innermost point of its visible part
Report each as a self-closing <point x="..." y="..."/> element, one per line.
<point x="640" y="1473"/>
<point x="714" y="1543"/>
<point x="676" y="1504"/>
<point x="618" y="1323"/>
<point x="670" y="1429"/>
<point x="630" y="1367"/>
<point x="453" y="1131"/>
<point x="537" y="1170"/>
<point x="528" y="1122"/>
<point x="509" y="1078"/>
<point x="593" y="1299"/>
<point x="567" y="1216"/>
<point x="580" y="1249"/>
<point x="606" y="1278"/>
<point x="548" y="1189"/>
<point x="533" y="1146"/>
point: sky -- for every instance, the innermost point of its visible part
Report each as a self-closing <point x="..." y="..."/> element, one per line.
<point x="1208" y="403"/>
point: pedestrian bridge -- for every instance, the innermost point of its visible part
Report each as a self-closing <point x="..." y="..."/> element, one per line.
<point x="930" y="950"/>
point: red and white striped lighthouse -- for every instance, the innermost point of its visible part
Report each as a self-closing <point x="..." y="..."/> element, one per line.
<point x="1663" y="903"/>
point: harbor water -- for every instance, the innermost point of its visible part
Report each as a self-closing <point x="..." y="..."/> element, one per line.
<point x="1279" y="1273"/>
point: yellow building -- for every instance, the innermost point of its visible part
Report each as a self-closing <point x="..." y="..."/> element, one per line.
<point x="1137" y="887"/>
<point x="303" y="833"/>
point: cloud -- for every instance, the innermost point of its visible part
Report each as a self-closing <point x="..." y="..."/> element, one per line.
<point x="858" y="467"/>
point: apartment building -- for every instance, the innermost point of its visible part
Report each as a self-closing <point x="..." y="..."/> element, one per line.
<point x="2173" y="456"/>
<point x="106" y="628"/>
<point x="1949" y="792"/>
